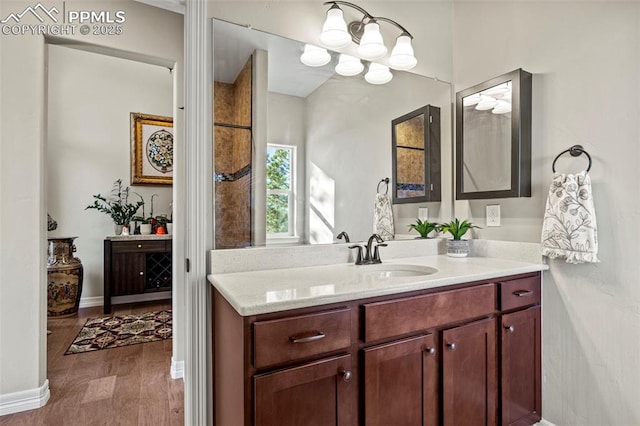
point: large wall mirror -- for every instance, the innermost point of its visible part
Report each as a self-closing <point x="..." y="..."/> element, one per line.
<point x="493" y="138"/>
<point x="416" y="156"/>
<point x="300" y="150"/>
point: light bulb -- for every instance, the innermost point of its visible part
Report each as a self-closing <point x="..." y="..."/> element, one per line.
<point x="378" y="74"/>
<point x="334" y="31"/>
<point x="402" y="57"/>
<point x="371" y="44"/>
<point x="349" y="65"/>
<point x="315" y="56"/>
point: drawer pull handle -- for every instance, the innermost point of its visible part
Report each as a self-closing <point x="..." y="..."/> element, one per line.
<point x="139" y="245"/>
<point x="141" y="272"/>
<point x="509" y="328"/>
<point x="346" y="374"/>
<point x="430" y="351"/>
<point x="451" y="346"/>
<point x="319" y="335"/>
<point x="523" y="293"/>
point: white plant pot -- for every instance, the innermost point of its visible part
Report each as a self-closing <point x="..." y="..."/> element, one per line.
<point x="145" y="229"/>
<point x="169" y="228"/>
<point x="117" y="229"/>
<point x="457" y="248"/>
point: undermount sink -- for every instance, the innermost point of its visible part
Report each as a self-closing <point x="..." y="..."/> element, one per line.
<point x="393" y="270"/>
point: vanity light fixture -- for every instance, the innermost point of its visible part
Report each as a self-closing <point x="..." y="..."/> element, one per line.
<point x="349" y="65"/>
<point x="366" y="33"/>
<point x="315" y="56"/>
<point x="378" y="74"/>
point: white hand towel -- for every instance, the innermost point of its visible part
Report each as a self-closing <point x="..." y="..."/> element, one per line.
<point x="383" y="217"/>
<point x="569" y="229"/>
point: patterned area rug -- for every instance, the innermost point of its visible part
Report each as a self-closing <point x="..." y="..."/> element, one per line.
<point x="116" y="331"/>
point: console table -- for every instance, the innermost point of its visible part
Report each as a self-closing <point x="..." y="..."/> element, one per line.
<point x="135" y="265"/>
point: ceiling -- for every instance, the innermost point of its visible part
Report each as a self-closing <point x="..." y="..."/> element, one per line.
<point x="234" y="44"/>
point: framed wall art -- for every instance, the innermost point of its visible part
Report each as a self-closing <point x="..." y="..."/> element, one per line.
<point x="151" y="149"/>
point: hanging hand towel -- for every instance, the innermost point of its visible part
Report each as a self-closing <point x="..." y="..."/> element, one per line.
<point x="383" y="217"/>
<point x="569" y="229"/>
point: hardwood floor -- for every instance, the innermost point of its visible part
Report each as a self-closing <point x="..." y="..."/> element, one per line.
<point x="130" y="385"/>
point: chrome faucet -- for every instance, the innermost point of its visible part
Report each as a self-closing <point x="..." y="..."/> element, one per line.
<point x="369" y="258"/>
<point x="345" y="235"/>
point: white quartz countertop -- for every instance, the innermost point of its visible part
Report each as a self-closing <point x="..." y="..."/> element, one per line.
<point x="259" y="292"/>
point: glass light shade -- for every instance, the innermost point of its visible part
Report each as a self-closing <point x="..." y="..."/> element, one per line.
<point x="334" y="31"/>
<point x="502" y="107"/>
<point x="371" y="44"/>
<point x="471" y="99"/>
<point x="402" y="57"/>
<point x="378" y="74"/>
<point x="486" y="102"/>
<point x="315" y="56"/>
<point x="349" y="65"/>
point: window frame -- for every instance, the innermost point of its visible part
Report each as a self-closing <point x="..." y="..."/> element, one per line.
<point x="291" y="193"/>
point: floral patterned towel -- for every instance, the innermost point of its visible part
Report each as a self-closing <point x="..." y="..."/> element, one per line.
<point x="383" y="217"/>
<point x="569" y="229"/>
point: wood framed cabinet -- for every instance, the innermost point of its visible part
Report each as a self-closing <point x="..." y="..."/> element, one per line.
<point x="467" y="354"/>
<point x="134" y="267"/>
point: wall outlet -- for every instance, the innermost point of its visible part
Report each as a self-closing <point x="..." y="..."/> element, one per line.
<point x="493" y="215"/>
<point x="423" y="213"/>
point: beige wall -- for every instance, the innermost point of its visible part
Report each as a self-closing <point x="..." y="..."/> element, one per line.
<point x="153" y="33"/>
<point x="586" y="70"/>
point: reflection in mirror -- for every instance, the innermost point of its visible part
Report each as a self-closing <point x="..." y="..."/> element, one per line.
<point x="308" y="162"/>
<point x="493" y="139"/>
<point x="416" y="143"/>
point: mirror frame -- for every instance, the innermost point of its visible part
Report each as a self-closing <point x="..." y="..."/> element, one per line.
<point x="520" y="137"/>
<point x="432" y="161"/>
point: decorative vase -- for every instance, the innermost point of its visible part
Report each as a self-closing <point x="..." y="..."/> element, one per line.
<point x="64" y="278"/>
<point x="118" y="229"/>
<point x="145" y="229"/>
<point x="458" y="248"/>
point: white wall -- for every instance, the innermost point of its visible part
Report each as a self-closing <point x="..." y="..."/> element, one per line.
<point x="89" y="137"/>
<point x="286" y="124"/>
<point x="584" y="57"/>
<point x="148" y="31"/>
<point x="349" y="150"/>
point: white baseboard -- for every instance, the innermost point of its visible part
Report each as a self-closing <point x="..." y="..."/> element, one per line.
<point x="177" y="369"/>
<point x="90" y="302"/>
<point x="544" y="422"/>
<point x="24" y="400"/>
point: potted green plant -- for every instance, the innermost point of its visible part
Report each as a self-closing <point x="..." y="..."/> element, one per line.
<point x="145" y="224"/>
<point x="457" y="247"/>
<point x="423" y="228"/>
<point x="116" y="206"/>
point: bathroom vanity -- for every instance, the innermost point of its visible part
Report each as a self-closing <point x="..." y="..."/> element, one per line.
<point x="347" y="345"/>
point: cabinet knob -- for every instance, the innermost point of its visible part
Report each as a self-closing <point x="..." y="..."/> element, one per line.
<point x="141" y="272"/>
<point x="346" y="374"/>
<point x="451" y="346"/>
<point x="430" y="351"/>
<point x="139" y="245"/>
<point x="509" y="328"/>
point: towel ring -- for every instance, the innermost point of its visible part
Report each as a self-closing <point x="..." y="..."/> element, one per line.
<point x="575" y="151"/>
<point x="386" y="181"/>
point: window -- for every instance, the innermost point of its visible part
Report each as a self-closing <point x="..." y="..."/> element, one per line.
<point x="280" y="190"/>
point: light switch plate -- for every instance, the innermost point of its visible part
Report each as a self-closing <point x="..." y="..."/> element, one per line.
<point x="423" y="213"/>
<point x="493" y="215"/>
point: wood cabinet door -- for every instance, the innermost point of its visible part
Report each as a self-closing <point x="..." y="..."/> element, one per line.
<point x="401" y="383"/>
<point x="127" y="274"/>
<point x="521" y="367"/>
<point x="320" y="393"/>
<point x="469" y="372"/>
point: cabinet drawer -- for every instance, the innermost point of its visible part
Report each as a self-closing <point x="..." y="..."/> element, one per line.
<point x="520" y="292"/>
<point x="288" y="339"/>
<point x="139" y="246"/>
<point x="396" y="317"/>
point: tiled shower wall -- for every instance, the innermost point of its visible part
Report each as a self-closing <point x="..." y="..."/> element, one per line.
<point x="233" y="153"/>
